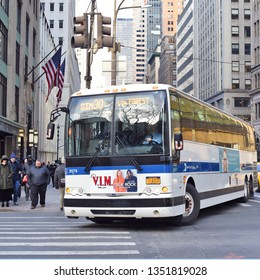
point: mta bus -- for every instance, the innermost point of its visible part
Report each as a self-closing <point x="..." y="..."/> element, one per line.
<point x="152" y="151"/>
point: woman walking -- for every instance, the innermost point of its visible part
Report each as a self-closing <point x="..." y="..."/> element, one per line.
<point x="6" y="181"/>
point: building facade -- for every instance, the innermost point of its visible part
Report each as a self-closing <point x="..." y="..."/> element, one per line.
<point x="185" y="49"/>
<point x="60" y="15"/>
<point x="255" y="71"/>
<point x="19" y="54"/>
<point x="222" y="56"/>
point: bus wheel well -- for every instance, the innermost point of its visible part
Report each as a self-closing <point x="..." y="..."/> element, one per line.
<point x="191" y="181"/>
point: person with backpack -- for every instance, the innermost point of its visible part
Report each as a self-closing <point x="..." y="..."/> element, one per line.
<point x="6" y="181"/>
<point x="59" y="181"/>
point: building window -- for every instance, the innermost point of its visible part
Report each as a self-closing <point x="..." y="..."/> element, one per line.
<point x="247" y="48"/>
<point x="17" y="59"/>
<point x="247" y="66"/>
<point x="3" y="42"/>
<point x="51" y="23"/>
<point x="19" y="12"/>
<point x="247" y="31"/>
<point x="235" y="31"/>
<point x="247" y="14"/>
<point x="16" y="101"/>
<point x="5" y="5"/>
<point x="60" y="23"/>
<point x="235" y="48"/>
<point x="248" y="84"/>
<point x="235" y="83"/>
<point x="234" y="0"/>
<point x="27" y="30"/>
<point x="61" y="7"/>
<point x="60" y="41"/>
<point x="234" y="13"/>
<point x="51" y="7"/>
<point x="34" y="42"/>
<point x="235" y="66"/>
<point x="3" y="95"/>
<point x="241" y="102"/>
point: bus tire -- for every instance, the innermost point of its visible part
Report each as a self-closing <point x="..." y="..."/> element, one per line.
<point x="245" y="198"/>
<point x="192" y="205"/>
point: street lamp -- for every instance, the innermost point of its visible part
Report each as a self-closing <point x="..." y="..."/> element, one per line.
<point x="58" y="140"/>
<point x="115" y="48"/>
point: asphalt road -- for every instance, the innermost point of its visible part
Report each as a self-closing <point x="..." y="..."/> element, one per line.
<point x="227" y="231"/>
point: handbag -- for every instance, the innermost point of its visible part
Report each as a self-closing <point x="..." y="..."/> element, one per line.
<point x="62" y="182"/>
<point x="25" y="179"/>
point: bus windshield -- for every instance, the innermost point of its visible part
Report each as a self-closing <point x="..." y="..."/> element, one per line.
<point x="117" y="124"/>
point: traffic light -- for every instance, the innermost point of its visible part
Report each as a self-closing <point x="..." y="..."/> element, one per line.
<point x="81" y="40"/>
<point x="103" y="32"/>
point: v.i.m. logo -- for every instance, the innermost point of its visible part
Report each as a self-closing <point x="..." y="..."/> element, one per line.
<point x="101" y="181"/>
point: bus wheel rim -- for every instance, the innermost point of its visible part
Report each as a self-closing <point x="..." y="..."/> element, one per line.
<point x="189" y="204"/>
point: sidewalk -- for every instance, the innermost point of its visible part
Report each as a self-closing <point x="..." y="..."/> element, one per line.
<point x="52" y="202"/>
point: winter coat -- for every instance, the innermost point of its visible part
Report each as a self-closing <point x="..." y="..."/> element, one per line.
<point x="38" y="176"/>
<point x="58" y="175"/>
<point x="6" y="177"/>
<point x="16" y="168"/>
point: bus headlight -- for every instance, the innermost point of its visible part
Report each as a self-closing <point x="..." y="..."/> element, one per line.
<point x="75" y="191"/>
<point x="164" y="189"/>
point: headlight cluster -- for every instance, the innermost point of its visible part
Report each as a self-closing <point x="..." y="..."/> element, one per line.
<point x="156" y="190"/>
<point x="75" y="191"/>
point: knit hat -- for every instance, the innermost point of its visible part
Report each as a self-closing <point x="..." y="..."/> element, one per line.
<point x="12" y="156"/>
<point x="4" y="157"/>
<point x="29" y="156"/>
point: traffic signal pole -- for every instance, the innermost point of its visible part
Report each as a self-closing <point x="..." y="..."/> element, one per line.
<point x="88" y="76"/>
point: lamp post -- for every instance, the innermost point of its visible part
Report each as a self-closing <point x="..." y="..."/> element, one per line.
<point x="114" y="50"/>
<point x="58" y="140"/>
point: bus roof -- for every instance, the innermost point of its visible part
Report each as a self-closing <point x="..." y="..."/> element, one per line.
<point x="122" y="88"/>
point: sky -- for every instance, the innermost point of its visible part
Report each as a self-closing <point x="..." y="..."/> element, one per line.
<point x="106" y="7"/>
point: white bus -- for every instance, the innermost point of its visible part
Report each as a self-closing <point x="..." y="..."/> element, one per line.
<point x="152" y="151"/>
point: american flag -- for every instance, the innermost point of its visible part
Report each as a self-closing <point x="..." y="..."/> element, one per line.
<point x="60" y="80"/>
<point x="50" y="69"/>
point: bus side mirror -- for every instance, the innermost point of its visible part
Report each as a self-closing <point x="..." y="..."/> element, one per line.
<point x="50" y="131"/>
<point x="178" y="142"/>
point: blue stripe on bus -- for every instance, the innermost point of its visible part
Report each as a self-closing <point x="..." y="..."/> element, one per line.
<point x="197" y="167"/>
<point x="158" y="168"/>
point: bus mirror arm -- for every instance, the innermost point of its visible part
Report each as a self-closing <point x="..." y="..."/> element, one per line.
<point x="54" y="116"/>
<point x="176" y="156"/>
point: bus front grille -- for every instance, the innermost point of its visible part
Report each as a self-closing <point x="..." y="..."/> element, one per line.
<point x="113" y="212"/>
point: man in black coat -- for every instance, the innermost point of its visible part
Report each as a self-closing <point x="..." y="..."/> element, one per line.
<point x="38" y="179"/>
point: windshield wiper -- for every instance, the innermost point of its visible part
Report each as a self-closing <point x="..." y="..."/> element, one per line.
<point x="98" y="149"/>
<point x="135" y="163"/>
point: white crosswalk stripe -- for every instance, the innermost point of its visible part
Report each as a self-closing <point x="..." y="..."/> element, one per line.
<point x="54" y="239"/>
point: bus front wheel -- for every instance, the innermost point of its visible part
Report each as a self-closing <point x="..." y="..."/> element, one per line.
<point x="192" y="205"/>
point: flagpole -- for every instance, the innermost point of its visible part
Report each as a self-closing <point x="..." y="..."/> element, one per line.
<point x="26" y="76"/>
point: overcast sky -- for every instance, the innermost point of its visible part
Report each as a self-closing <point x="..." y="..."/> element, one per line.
<point x="106" y="7"/>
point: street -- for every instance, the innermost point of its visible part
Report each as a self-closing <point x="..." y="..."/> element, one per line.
<point x="226" y="231"/>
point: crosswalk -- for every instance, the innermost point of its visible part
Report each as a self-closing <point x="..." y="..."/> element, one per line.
<point x="56" y="239"/>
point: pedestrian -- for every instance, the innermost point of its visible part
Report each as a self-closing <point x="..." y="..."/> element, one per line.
<point x="38" y="179"/>
<point x="17" y="169"/>
<point x="28" y="163"/>
<point x="6" y="181"/>
<point x="59" y="181"/>
<point x="52" y="167"/>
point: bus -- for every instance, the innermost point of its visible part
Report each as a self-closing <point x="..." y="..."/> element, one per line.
<point x="152" y="151"/>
